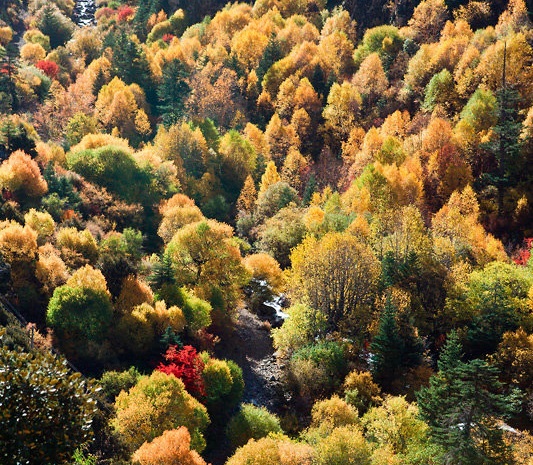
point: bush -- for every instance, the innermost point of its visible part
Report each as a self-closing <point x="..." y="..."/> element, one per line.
<point x="113" y="382"/>
<point x="46" y="411"/>
<point x="156" y="404"/>
<point x="252" y="423"/>
<point x="224" y="385"/>
<point x="318" y="369"/>
<point x="272" y="451"/>
<point x="171" y="448"/>
<point x="333" y="413"/>
<point x="361" y="391"/>
<point x="344" y="446"/>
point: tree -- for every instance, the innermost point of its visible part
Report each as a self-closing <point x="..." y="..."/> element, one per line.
<point x="55" y="25"/>
<point x="207" y="259"/>
<point x="172" y="92"/>
<point x="273" y="451"/>
<point x="344" y="446"/>
<point x="338" y="275"/>
<point x="46" y="411"/>
<point x="81" y="316"/>
<point x="464" y="405"/>
<point x="21" y="175"/>
<point x="392" y="352"/>
<point x="302" y="327"/>
<point x="171" y="448"/>
<point x="252" y="423"/>
<point x="186" y="365"/>
<point x="156" y="404"/>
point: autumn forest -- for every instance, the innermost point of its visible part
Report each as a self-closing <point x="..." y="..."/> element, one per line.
<point x="281" y="232"/>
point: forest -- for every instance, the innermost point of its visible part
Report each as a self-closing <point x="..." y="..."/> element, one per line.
<point x="281" y="232"/>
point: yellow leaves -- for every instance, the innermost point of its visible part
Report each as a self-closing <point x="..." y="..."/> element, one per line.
<point x="248" y="46"/>
<point x="89" y="278"/>
<point x="269" y="177"/>
<point x="6" y="34"/>
<point x="262" y="266"/>
<point x="177" y="212"/>
<point x="119" y="105"/>
<point x="50" y="269"/>
<point x="132" y="293"/>
<point x="17" y="243"/>
<point x="342" y="109"/>
<point x="32" y="53"/>
<point x="41" y="222"/>
<point x="21" y="175"/>
<point x="370" y="79"/>
<point x="77" y="243"/>
<point x="94" y="141"/>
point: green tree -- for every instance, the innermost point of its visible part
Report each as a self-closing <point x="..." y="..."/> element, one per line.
<point x="172" y="92"/>
<point x="54" y="24"/>
<point x="464" y="405"/>
<point x="80" y="316"/>
<point x="252" y="423"/>
<point x="45" y="410"/>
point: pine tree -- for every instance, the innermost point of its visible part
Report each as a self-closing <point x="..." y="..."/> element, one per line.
<point x="163" y="272"/>
<point x="310" y="189"/>
<point x="172" y="92"/>
<point x="387" y="347"/>
<point x="271" y="54"/>
<point x="463" y="406"/>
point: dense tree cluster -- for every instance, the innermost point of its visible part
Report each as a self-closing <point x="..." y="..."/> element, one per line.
<point x="175" y="161"/>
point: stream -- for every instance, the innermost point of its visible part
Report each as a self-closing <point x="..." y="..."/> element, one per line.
<point x="83" y="14"/>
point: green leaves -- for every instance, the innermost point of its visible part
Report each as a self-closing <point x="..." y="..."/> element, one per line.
<point x="46" y="411"/>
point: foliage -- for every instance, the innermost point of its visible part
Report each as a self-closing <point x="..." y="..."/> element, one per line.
<point x="463" y="406"/>
<point x="156" y="404"/>
<point x="251" y="423"/>
<point x="114" y="382"/>
<point x="272" y="450"/>
<point x="46" y="410"/>
<point x="186" y="365"/>
<point x="170" y="448"/>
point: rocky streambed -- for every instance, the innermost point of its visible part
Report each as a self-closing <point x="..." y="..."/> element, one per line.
<point x="83" y="14"/>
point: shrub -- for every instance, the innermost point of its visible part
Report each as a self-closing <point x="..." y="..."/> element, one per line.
<point x="186" y="365"/>
<point x="361" y="391"/>
<point x="333" y="413"/>
<point x="156" y="404"/>
<point x="344" y="446"/>
<point x="113" y="382"/>
<point x="224" y="385"/>
<point x="272" y="451"/>
<point x="252" y="423"/>
<point x="317" y="369"/>
<point x="46" y="411"/>
<point x="171" y="448"/>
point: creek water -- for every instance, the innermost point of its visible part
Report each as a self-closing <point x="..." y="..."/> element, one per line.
<point x="83" y="14"/>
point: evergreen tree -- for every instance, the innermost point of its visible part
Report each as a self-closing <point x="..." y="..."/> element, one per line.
<point x="130" y="64"/>
<point x="172" y="92"/>
<point x="163" y="272"/>
<point x="271" y="54"/>
<point x="395" y="347"/>
<point x="310" y="189"/>
<point x="8" y="90"/>
<point x="387" y="347"/>
<point x="55" y="25"/>
<point x="463" y="406"/>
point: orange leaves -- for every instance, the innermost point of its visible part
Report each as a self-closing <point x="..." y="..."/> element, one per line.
<point x="171" y="448"/>
<point x="21" y="175"/>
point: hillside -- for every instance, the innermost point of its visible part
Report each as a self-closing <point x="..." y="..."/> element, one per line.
<point x="171" y="172"/>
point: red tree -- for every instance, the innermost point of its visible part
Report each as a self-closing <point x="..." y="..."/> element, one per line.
<point x="186" y="365"/>
<point x="50" y="68"/>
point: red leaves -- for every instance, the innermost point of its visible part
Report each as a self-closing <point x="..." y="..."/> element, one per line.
<point x="50" y="68"/>
<point x="125" y="13"/>
<point x="523" y="254"/>
<point x="186" y="365"/>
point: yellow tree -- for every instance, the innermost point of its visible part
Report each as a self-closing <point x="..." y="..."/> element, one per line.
<point x="247" y="197"/>
<point x="341" y="112"/>
<point x="270" y="177"/>
<point x="208" y="260"/>
<point x="21" y="175"/>
<point x="338" y="275"/>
